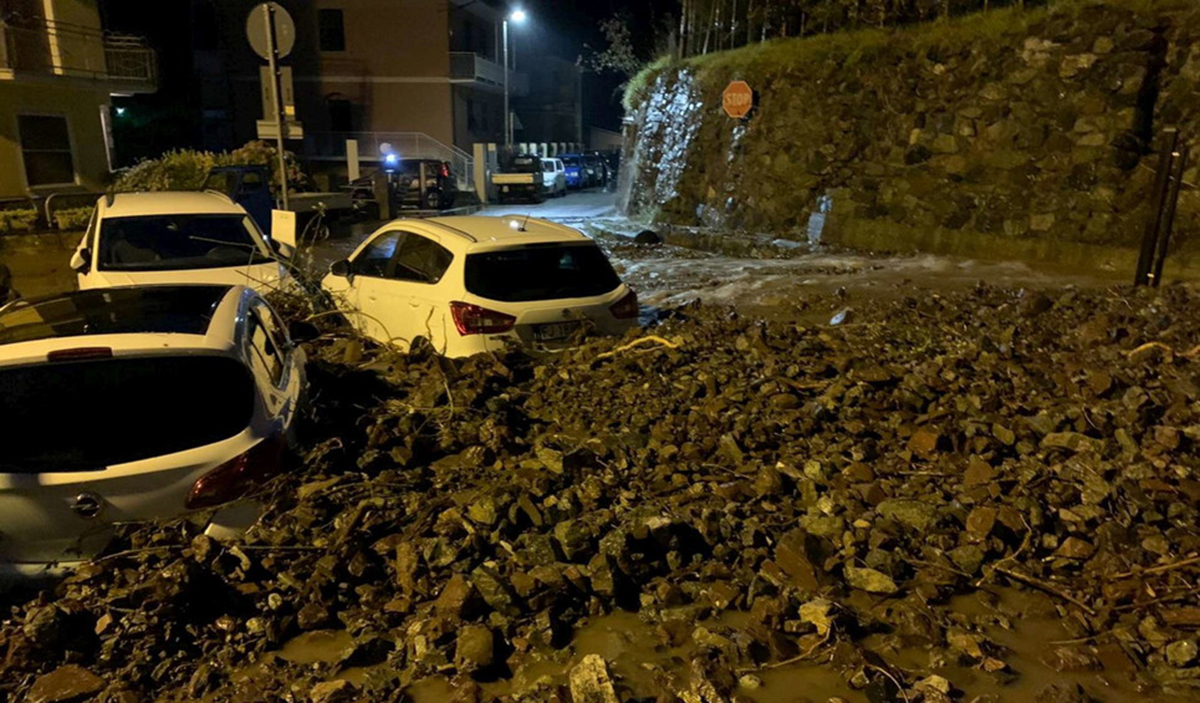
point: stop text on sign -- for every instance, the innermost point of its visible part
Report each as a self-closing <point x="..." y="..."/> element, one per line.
<point x="738" y="99"/>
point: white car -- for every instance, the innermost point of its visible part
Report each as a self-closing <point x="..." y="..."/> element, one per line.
<point x="554" y="177"/>
<point x="128" y="404"/>
<point x="475" y="284"/>
<point x="137" y="239"/>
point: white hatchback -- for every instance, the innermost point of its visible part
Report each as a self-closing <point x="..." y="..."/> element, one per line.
<point x="129" y="404"/>
<point x="554" y="177"/>
<point x="475" y="284"/>
<point x="138" y="239"/>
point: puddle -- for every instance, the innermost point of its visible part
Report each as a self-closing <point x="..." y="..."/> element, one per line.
<point x="319" y="646"/>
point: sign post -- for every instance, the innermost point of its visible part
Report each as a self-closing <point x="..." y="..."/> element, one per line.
<point x="271" y="33"/>
<point x="738" y="99"/>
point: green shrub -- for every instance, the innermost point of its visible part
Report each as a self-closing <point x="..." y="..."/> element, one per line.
<point x="13" y="221"/>
<point x="186" y="169"/>
<point x="73" y="218"/>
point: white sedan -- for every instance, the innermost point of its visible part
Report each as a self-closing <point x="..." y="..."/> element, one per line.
<point x="173" y="238"/>
<point x="128" y="404"/>
<point x="475" y="284"/>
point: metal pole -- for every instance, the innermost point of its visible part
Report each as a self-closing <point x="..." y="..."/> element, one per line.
<point x="276" y="99"/>
<point x="507" y="115"/>
<point x="1179" y="165"/>
<point x="1154" y="221"/>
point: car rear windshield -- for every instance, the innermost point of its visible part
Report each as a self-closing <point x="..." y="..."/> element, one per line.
<point x="571" y="160"/>
<point x="173" y="242"/>
<point x="526" y="164"/>
<point x="88" y="415"/>
<point x="541" y="272"/>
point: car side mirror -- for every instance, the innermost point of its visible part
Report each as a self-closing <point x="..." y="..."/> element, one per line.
<point x="300" y="331"/>
<point x="81" y="260"/>
<point x="341" y="268"/>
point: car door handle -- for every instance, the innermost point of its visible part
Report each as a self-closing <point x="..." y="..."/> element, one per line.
<point x="413" y="305"/>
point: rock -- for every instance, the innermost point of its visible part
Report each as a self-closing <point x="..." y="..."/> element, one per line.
<point x="337" y="691"/>
<point x="574" y="538"/>
<point x="590" y="681"/>
<point x="769" y="482"/>
<point x="968" y="558"/>
<point x="870" y="580"/>
<point x="980" y="521"/>
<point x="1072" y="441"/>
<point x="817" y="612"/>
<point x="66" y="684"/>
<point x="979" y="472"/>
<point x="495" y="591"/>
<point x="1075" y="548"/>
<point x="924" y="443"/>
<point x="912" y="513"/>
<point x="457" y="599"/>
<point x="750" y="682"/>
<point x="934" y="683"/>
<point x="474" y="648"/>
<point x="313" y="616"/>
<point x="1181" y="653"/>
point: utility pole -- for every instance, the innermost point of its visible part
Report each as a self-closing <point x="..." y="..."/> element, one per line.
<point x="268" y="10"/>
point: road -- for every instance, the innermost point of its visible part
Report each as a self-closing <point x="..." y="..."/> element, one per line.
<point x="808" y="283"/>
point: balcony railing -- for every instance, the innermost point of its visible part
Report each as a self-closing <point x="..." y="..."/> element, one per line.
<point x="37" y="47"/>
<point x="470" y="67"/>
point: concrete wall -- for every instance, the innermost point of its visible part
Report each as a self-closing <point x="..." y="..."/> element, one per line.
<point x="987" y="135"/>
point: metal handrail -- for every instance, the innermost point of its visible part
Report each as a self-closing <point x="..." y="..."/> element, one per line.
<point x="25" y="45"/>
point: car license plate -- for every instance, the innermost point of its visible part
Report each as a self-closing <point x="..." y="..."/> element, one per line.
<point x="555" y="331"/>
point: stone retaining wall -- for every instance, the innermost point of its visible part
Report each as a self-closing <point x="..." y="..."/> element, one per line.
<point x="992" y="135"/>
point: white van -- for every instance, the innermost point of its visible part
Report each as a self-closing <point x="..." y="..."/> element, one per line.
<point x="554" y="177"/>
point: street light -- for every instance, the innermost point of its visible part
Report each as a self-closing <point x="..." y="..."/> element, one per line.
<point x="517" y="16"/>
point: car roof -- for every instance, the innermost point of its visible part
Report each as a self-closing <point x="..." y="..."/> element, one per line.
<point x="169" y="203"/>
<point x="476" y="231"/>
<point x="185" y="310"/>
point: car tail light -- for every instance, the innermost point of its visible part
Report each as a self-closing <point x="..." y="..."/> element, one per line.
<point x="232" y="479"/>
<point x="626" y="307"/>
<point x="445" y="170"/>
<point x="80" y="354"/>
<point x="472" y="319"/>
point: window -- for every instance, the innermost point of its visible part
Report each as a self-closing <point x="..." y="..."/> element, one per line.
<point x="46" y="148"/>
<point x="341" y="114"/>
<point x="176" y="242"/>
<point x="374" y="260"/>
<point x="119" y="410"/>
<point x="266" y="355"/>
<point x="421" y="260"/>
<point x="541" y="272"/>
<point x="332" y="30"/>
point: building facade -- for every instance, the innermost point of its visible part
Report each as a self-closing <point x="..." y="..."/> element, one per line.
<point x="58" y="72"/>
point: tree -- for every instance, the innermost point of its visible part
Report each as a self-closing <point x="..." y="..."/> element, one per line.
<point x="619" y="56"/>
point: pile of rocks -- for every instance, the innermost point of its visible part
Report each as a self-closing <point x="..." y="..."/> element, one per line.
<point x="758" y="493"/>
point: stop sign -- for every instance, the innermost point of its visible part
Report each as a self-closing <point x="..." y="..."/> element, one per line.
<point x="738" y="99"/>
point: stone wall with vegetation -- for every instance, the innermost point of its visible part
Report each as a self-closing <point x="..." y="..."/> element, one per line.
<point x="1008" y="132"/>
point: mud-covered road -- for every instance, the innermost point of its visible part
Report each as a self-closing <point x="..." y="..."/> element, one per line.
<point x="980" y="495"/>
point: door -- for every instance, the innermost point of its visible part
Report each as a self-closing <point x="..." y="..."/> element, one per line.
<point x="351" y="294"/>
<point x="397" y="298"/>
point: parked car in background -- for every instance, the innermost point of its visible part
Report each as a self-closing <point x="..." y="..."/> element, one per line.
<point x="127" y="404"/>
<point x="554" y="177"/>
<point x="520" y="178"/>
<point x="597" y="171"/>
<point x="175" y="238"/>
<point x="440" y="193"/>
<point x="475" y="284"/>
<point x="576" y="174"/>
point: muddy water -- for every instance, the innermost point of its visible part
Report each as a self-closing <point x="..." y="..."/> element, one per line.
<point x="1026" y="625"/>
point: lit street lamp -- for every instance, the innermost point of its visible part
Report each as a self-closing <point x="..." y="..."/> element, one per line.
<point x="518" y="16"/>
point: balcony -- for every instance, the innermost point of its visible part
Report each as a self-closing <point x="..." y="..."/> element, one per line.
<point x="40" y="49"/>
<point x="467" y="67"/>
